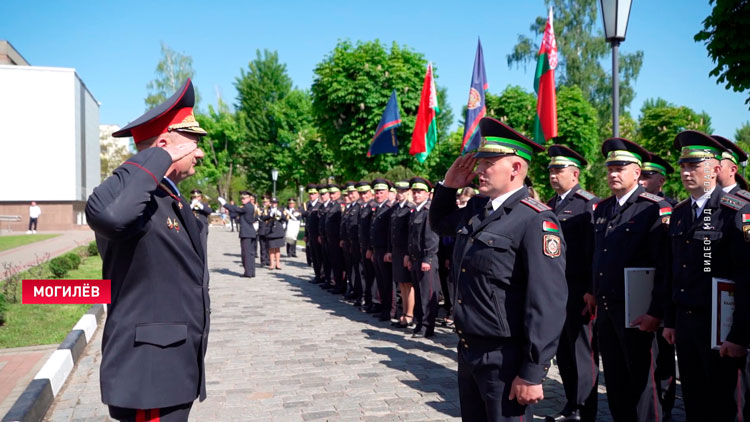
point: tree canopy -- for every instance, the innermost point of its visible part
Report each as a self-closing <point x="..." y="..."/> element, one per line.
<point x="172" y="71"/>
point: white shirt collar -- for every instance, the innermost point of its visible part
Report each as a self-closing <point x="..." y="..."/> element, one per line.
<point x="402" y="203"/>
<point x="702" y="200"/>
<point x="325" y="204"/>
<point x="420" y="206"/>
<point x="381" y="204"/>
<point x="500" y="199"/>
<point x="728" y="189"/>
<point x="565" y="194"/>
<point x="624" y="199"/>
<point x="313" y="203"/>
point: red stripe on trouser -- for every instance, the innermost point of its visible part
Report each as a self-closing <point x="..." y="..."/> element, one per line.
<point x="148" y="415"/>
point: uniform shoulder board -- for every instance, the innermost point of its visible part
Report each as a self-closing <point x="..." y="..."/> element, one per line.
<point x="682" y="203"/>
<point x="743" y="194"/>
<point x="651" y="197"/>
<point x="535" y="205"/>
<point x="733" y="202"/>
<point x="585" y="194"/>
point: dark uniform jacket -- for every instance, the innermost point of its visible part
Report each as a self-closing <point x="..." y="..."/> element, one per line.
<point x="712" y="245"/>
<point x="380" y="226"/>
<point x="203" y="213"/>
<point x="157" y="325"/>
<point x="509" y="274"/>
<point x="247" y="218"/>
<point x="264" y="225"/>
<point x="364" y="222"/>
<point x="399" y="239"/>
<point x="275" y="223"/>
<point x="634" y="236"/>
<point x="322" y="217"/>
<point x="576" y="215"/>
<point x="312" y="219"/>
<point x="422" y="240"/>
<point x="333" y="221"/>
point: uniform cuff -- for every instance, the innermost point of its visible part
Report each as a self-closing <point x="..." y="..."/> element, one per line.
<point x="533" y="373"/>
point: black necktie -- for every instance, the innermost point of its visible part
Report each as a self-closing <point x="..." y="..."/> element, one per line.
<point x="615" y="207"/>
<point x="488" y="209"/>
<point x="558" y="202"/>
<point x="694" y="212"/>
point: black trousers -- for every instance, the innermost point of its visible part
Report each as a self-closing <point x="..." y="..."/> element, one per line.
<point x="355" y="275"/>
<point x="628" y="358"/>
<point x="316" y="255"/>
<point x="247" y="246"/>
<point x="665" y="374"/>
<point x="308" y="253"/>
<point x="367" y="269"/>
<point x="291" y="249"/>
<point x="578" y="362"/>
<point x="446" y="286"/>
<point x="325" y="257"/>
<point x="709" y="382"/>
<point x="177" y="413"/>
<point x="336" y="259"/>
<point x="384" y="277"/>
<point x="346" y="264"/>
<point x="32" y="223"/>
<point x="265" y="258"/>
<point x="426" y="289"/>
<point x="485" y="375"/>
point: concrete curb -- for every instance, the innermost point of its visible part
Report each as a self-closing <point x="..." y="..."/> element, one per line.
<point x="38" y="396"/>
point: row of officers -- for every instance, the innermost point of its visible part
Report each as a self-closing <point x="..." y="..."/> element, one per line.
<point x="533" y="280"/>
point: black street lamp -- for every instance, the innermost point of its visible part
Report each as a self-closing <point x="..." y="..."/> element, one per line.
<point x="615" y="14"/>
<point x="274" y="177"/>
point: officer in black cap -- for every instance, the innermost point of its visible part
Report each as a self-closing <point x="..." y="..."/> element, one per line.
<point x="201" y="209"/>
<point x="367" y="268"/>
<point x="577" y="354"/>
<point x="311" y="216"/>
<point x="423" y="263"/>
<point x="264" y="228"/>
<point x="248" y="235"/>
<point x="731" y="157"/>
<point x="709" y="239"/>
<point x="509" y="263"/>
<point x="630" y="231"/>
<point x="380" y="231"/>
<point x="653" y="175"/>
<point x="157" y="324"/>
<point x="397" y="251"/>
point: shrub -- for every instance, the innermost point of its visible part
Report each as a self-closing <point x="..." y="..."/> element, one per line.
<point x="92" y="249"/>
<point x="3" y="308"/>
<point x="74" y="259"/>
<point x="60" y="266"/>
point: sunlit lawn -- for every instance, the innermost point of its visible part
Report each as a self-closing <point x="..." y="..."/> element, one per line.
<point x="10" y="242"/>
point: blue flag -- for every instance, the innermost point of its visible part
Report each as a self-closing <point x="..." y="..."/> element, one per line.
<point x="384" y="140"/>
<point x="476" y="108"/>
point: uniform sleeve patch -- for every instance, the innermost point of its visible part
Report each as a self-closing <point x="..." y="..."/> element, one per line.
<point x="552" y="246"/>
<point x="651" y="197"/>
<point x="549" y="226"/>
<point x="732" y="202"/>
<point x="585" y="194"/>
<point x="535" y="205"/>
<point x="665" y="211"/>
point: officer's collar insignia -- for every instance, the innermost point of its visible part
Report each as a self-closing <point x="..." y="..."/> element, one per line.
<point x="732" y="202"/>
<point x="552" y="245"/>
<point x="169" y="223"/>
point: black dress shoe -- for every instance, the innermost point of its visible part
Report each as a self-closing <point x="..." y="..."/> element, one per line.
<point x="384" y="316"/>
<point x="565" y="416"/>
<point x="357" y="303"/>
<point x="376" y="308"/>
<point x="426" y="333"/>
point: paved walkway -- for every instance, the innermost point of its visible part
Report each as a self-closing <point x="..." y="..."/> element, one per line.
<point x="281" y="349"/>
<point x="32" y="254"/>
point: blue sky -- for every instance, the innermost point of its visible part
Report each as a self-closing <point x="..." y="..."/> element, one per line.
<point x="115" y="46"/>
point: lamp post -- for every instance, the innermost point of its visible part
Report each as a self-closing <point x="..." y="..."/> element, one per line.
<point x="615" y="14"/>
<point x="274" y="177"/>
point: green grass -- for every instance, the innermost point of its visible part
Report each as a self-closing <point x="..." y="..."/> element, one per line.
<point x="30" y="325"/>
<point x="10" y="242"/>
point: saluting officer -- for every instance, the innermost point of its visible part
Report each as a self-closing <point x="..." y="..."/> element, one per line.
<point x="157" y="325"/>
<point x="312" y="219"/>
<point x="248" y="235"/>
<point x="367" y="268"/>
<point x="423" y="263"/>
<point x="731" y="157"/>
<point x="709" y="239"/>
<point x="380" y="232"/>
<point x="653" y="175"/>
<point x="577" y="354"/>
<point x="397" y="252"/>
<point x="630" y="231"/>
<point x="509" y="267"/>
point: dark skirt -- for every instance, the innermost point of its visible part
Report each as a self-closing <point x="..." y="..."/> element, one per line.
<point x="400" y="273"/>
<point x="276" y="243"/>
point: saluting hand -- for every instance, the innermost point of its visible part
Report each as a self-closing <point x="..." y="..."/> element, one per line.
<point x="461" y="173"/>
<point x="179" y="151"/>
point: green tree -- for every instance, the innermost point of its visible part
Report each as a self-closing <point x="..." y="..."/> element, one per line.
<point x="582" y="49"/>
<point x="659" y="123"/>
<point x="742" y="136"/>
<point x="171" y="72"/>
<point x="725" y="36"/>
<point x="351" y="88"/>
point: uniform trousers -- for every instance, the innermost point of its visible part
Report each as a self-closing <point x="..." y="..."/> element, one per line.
<point x="665" y="374"/>
<point x="265" y="259"/>
<point x="709" y="382"/>
<point x="367" y="269"/>
<point x="316" y="254"/>
<point x="346" y="261"/>
<point x="355" y="277"/>
<point x="325" y="257"/>
<point x="336" y="259"/>
<point x="426" y="288"/>
<point x="384" y="277"/>
<point x="291" y="249"/>
<point x="247" y="246"/>
<point x="177" y="413"/>
<point x="628" y="358"/>
<point x="578" y="362"/>
<point x="486" y="370"/>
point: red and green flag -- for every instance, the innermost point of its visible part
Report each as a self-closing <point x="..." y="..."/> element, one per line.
<point x="545" y="124"/>
<point x="425" y="134"/>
